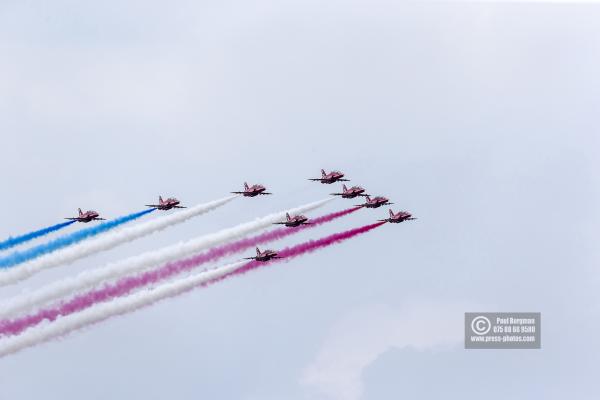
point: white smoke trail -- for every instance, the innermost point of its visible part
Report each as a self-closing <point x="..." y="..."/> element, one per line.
<point x="90" y="278"/>
<point x="105" y="242"/>
<point x="102" y="311"/>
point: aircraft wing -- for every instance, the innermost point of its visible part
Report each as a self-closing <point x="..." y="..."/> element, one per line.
<point x="315" y="179"/>
<point x="266" y="193"/>
<point x="279" y="223"/>
<point x="74" y="219"/>
<point x="343" y="180"/>
<point x="237" y="192"/>
<point x="179" y="207"/>
<point x="152" y="205"/>
<point x="99" y="219"/>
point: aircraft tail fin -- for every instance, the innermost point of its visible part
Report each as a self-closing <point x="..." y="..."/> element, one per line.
<point x="323" y="173"/>
<point x="80" y="212"/>
<point x="257" y="251"/>
<point x="160" y="200"/>
<point x="287" y="215"/>
<point x="368" y="197"/>
<point x="391" y="213"/>
<point x="246" y="186"/>
<point x="345" y="188"/>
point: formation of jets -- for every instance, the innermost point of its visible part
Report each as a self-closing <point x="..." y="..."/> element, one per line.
<point x="291" y="221"/>
<point x="353" y="192"/>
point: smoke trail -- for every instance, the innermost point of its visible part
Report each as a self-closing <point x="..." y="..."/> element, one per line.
<point x="147" y="297"/>
<point x="107" y="242"/>
<point x="19" y="257"/>
<point x="104" y="311"/>
<point x="90" y="278"/>
<point x="14" y="241"/>
<point x="128" y="284"/>
<point x="307" y="247"/>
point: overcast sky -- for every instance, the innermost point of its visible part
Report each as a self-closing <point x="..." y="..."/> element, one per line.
<point x="480" y="118"/>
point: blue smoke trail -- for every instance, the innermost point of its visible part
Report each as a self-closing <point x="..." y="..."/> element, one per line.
<point x="19" y="257"/>
<point x="14" y="241"/>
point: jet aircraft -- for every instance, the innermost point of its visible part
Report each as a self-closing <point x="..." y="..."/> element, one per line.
<point x="294" y="221"/>
<point x="333" y="176"/>
<point x="401" y="216"/>
<point x="252" y="191"/>
<point x="354" y="191"/>
<point x="87" y="216"/>
<point x="167" y="204"/>
<point x="375" y="202"/>
<point x="264" y="256"/>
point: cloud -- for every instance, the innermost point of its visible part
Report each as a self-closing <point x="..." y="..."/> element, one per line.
<point x="356" y="340"/>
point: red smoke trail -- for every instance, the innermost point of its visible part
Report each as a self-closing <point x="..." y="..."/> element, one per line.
<point x="128" y="284"/>
<point x="300" y="249"/>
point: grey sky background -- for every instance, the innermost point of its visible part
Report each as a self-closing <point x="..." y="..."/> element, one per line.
<point x="480" y="118"/>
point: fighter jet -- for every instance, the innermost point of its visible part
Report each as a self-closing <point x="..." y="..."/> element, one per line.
<point x="167" y="204"/>
<point x="351" y="193"/>
<point x="87" y="216"/>
<point x="401" y="216"/>
<point x="264" y="256"/>
<point x="333" y="176"/>
<point x="294" y="221"/>
<point x="375" y="202"/>
<point x="251" y="191"/>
